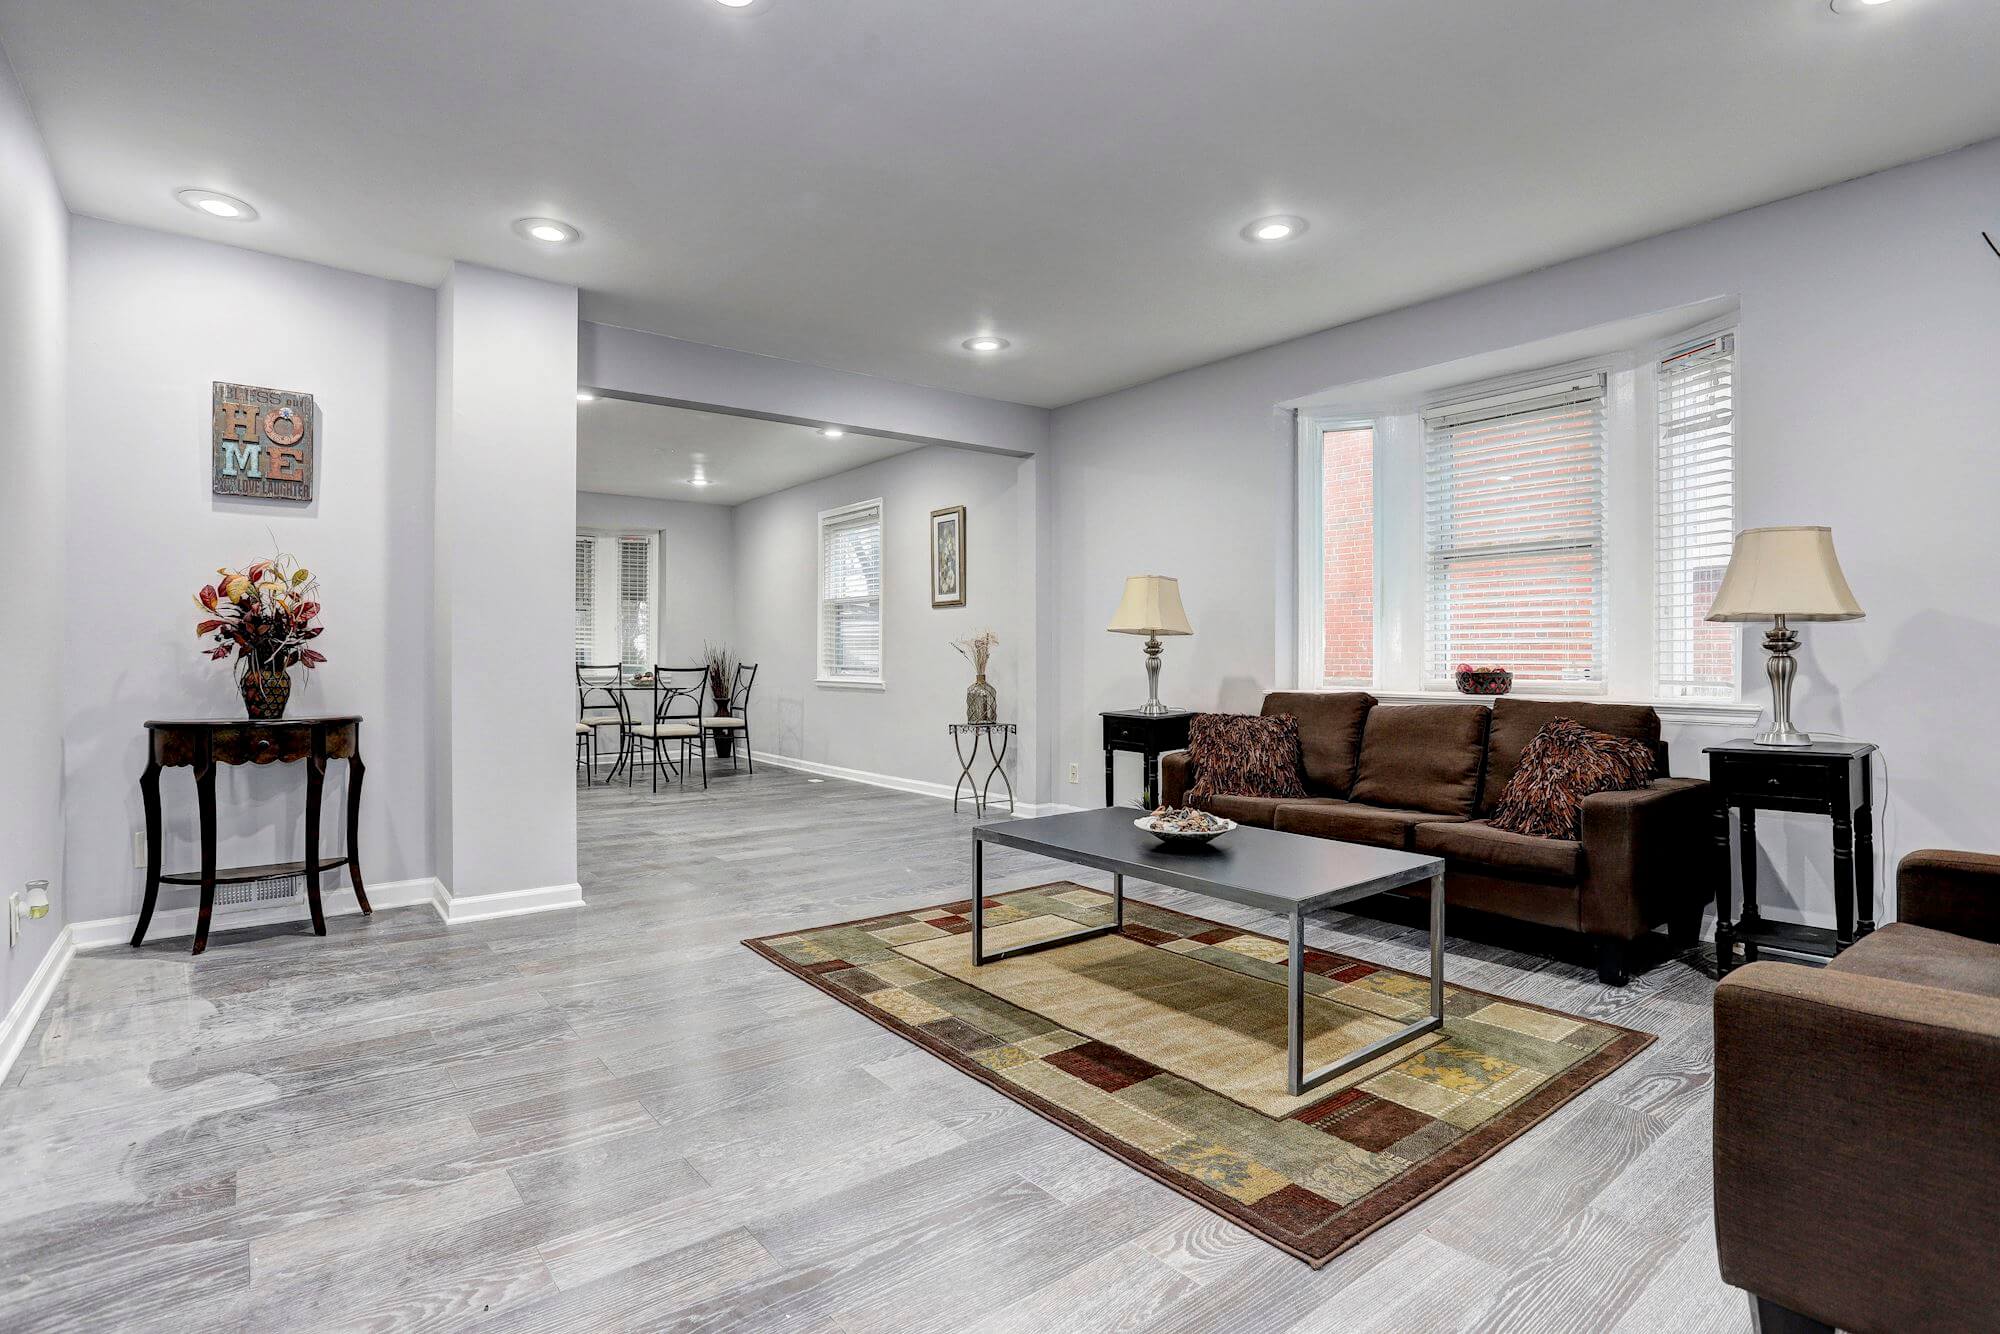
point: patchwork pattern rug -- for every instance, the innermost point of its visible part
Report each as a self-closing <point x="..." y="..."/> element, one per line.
<point x="1164" y="1044"/>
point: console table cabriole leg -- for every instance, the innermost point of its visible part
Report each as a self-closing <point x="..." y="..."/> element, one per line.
<point x="204" y="793"/>
<point x="315" y="789"/>
<point x="355" y="770"/>
<point x="149" y="793"/>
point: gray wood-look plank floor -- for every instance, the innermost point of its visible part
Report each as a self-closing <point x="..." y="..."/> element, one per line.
<point x="619" y="1118"/>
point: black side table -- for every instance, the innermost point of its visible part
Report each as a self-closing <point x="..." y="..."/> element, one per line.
<point x="1831" y="778"/>
<point x="1150" y="734"/>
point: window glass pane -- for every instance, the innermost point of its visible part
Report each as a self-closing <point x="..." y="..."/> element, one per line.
<point x="850" y="619"/>
<point x="1696" y="487"/>
<point x="635" y="610"/>
<point x="1347" y="538"/>
<point x="1514" y="532"/>
<point x="586" y="598"/>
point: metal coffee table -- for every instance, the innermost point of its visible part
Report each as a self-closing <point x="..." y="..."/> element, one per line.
<point x="1287" y="874"/>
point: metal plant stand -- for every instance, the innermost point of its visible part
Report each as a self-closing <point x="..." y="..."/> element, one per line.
<point x="996" y="736"/>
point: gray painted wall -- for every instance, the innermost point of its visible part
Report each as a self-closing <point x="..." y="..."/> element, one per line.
<point x="697" y="566"/>
<point x="34" y="592"/>
<point x="898" y="731"/>
<point x="1870" y="336"/>
<point x="154" y="319"/>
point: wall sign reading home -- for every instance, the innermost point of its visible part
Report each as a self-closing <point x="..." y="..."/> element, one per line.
<point x="263" y="443"/>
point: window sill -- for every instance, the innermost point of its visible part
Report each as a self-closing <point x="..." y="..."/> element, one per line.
<point x="848" y="683"/>
<point x="1697" y="713"/>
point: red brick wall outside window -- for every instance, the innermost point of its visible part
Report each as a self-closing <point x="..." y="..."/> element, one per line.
<point x="1347" y="487"/>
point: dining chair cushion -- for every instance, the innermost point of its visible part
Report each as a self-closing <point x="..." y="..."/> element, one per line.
<point x="660" y="730"/>
<point x="582" y="728"/>
<point x="722" y="722"/>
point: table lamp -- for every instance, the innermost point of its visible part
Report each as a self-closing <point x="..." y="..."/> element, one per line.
<point x="1781" y="575"/>
<point x="1151" y="607"/>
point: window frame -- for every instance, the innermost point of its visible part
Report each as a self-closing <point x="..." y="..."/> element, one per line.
<point x="1524" y="388"/>
<point x="605" y="618"/>
<point x="822" y="676"/>
<point x="1727" y="327"/>
<point x="1311" y="563"/>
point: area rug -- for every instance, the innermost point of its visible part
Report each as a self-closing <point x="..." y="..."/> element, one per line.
<point x="1164" y="1044"/>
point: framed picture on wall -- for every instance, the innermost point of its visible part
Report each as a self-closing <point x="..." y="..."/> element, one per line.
<point x="948" y="557"/>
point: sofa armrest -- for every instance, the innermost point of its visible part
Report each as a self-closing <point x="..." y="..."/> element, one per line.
<point x="1647" y="853"/>
<point x="1176" y="776"/>
<point x="1854" y="1147"/>
<point x="1957" y="892"/>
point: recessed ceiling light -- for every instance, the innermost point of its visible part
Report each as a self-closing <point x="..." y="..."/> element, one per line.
<point x="831" y="432"/>
<point x="1856" y="6"/>
<point x="215" y="205"/>
<point x="549" y="231"/>
<point x="585" y="396"/>
<point x="985" y="344"/>
<point x="1268" y="231"/>
<point x="736" y="4"/>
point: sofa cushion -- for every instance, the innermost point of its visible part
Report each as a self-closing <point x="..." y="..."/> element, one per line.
<point x="1422" y="757"/>
<point x="1244" y="756"/>
<point x="1925" y="957"/>
<point x="1478" y="843"/>
<point x="1516" y="721"/>
<point x="1330" y="725"/>
<point x="1351" y="822"/>
<point x="1565" y="763"/>
<point x="1258" y="811"/>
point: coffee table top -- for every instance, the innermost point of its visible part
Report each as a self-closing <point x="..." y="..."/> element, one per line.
<point x="1261" y="868"/>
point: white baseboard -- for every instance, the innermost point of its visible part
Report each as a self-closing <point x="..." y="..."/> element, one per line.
<point x="457" y="909"/>
<point x="26" y="1011"/>
<point x="914" y="786"/>
<point x="168" y="923"/>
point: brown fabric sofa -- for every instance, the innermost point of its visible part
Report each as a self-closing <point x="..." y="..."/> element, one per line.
<point x="1857" y="1118"/>
<point x="1424" y="777"/>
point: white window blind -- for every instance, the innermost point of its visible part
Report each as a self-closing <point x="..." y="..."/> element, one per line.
<point x="850" y="607"/>
<point x="586" y="598"/>
<point x="1696" y="490"/>
<point x="1514" y="534"/>
<point x="636" y="638"/>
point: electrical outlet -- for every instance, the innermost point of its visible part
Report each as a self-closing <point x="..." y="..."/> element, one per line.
<point x="139" y="848"/>
<point x="1072" y="773"/>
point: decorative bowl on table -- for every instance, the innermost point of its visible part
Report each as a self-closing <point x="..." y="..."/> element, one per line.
<point x="1483" y="680"/>
<point x="1184" y="826"/>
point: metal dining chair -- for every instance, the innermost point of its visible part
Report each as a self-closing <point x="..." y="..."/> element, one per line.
<point x="735" y="719"/>
<point x="680" y="705"/>
<point x="600" y="703"/>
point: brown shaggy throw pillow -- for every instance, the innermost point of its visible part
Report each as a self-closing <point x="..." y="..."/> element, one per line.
<point x="1565" y="763"/>
<point x="1239" y="755"/>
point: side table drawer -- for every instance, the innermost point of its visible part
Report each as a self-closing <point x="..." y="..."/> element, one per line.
<point x="1778" y="783"/>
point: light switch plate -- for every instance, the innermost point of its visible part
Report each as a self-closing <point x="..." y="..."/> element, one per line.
<point x="1072" y="773"/>
<point x="139" y="848"/>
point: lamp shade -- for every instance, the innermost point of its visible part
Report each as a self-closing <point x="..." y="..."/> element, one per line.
<point x="1151" y="606"/>
<point x="1789" y="572"/>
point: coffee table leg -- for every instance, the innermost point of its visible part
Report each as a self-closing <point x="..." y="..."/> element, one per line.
<point x="1117" y="900"/>
<point x="1296" y="1080"/>
<point x="978" y="901"/>
<point x="1295" y="1009"/>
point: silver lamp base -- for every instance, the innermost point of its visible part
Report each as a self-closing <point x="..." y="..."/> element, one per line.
<point x="1152" y="708"/>
<point x="1781" y="667"/>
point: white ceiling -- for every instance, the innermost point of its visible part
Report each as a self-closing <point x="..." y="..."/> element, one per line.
<point x="863" y="183"/>
<point x="625" y="448"/>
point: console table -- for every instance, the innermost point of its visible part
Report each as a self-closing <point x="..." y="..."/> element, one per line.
<point x="201" y="744"/>
<point x="1152" y="735"/>
<point x="1830" y="778"/>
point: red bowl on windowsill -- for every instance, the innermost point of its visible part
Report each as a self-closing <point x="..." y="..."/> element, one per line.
<point x="1484" y="680"/>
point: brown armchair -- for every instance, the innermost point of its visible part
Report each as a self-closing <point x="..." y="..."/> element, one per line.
<point x="1857" y="1118"/>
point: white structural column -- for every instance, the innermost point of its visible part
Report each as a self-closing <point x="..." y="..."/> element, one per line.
<point x="506" y="517"/>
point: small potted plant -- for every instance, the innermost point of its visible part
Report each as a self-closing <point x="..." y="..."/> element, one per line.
<point x="982" y="704"/>
<point x="264" y="617"/>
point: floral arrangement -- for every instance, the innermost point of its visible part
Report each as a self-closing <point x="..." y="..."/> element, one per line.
<point x="264" y="615"/>
<point x="978" y="648"/>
